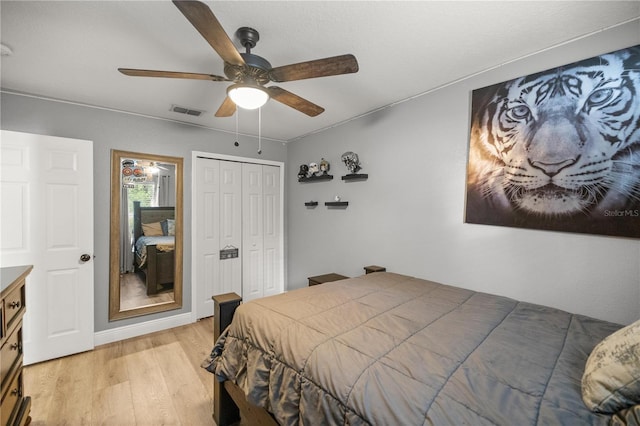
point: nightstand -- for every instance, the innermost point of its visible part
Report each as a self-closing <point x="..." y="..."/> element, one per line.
<point x="320" y="279"/>
<point x="374" y="268"/>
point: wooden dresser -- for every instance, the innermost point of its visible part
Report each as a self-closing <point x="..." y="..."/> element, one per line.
<point x="15" y="406"/>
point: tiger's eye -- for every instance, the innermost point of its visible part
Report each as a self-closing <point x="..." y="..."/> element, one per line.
<point x="600" y="97"/>
<point x="519" y="112"/>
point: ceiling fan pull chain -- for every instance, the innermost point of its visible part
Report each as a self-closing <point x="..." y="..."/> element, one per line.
<point x="236" y="143"/>
<point x="259" y="130"/>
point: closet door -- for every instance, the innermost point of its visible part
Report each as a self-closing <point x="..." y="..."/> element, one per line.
<point x="261" y="231"/>
<point x="218" y="222"/>
<point x="236" y="205"/>
<point x="252" y="237"/>
<point x="230" y="226"/>
<point x="272" y="259"/>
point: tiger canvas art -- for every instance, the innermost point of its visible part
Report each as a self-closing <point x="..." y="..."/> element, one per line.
<point x="560" y="149"/>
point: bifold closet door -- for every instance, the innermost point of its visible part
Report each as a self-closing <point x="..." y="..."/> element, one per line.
<point x="218" y="200"/>
<point x="261" y="230"/>
<point x="237" y="206"/>
<point x="272" y="231"/>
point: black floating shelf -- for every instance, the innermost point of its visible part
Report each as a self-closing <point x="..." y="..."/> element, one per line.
<point x="336" y="203"/>
<point x="315" y="178"/>
<point x="311" y="203"/>
<point x="355" y="176"/>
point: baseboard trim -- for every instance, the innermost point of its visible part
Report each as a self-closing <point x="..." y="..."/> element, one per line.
<point x="140" y="329"/>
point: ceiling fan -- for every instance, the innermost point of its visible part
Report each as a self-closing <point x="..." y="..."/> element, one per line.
<point x="247" y="71"/>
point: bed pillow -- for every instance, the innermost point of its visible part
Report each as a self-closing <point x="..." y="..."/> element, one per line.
<point x="627" y="417"/>
<point x="168" y="227"/>
<point x="171" y="227"/>
<point x="152" y="229"/>
<point x="611" y="380"/>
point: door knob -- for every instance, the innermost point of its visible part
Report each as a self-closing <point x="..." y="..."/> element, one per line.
<point x="85" y="257"/>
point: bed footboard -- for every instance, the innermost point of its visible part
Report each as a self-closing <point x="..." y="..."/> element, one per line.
<point x="225" y="410"/>
<point x="228" y="399"/>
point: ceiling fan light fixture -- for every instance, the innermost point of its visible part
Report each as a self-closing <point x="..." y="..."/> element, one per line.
<point x="247" y="96"/>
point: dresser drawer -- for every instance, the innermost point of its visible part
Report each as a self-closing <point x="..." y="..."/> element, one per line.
<point x="10" y="356"/>
<point x="12" y="400"/>
<point x="14" y="305"/>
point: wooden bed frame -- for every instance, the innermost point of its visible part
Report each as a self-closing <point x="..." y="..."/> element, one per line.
<point x="160" y="265"/>
<point x="229" y="402"/>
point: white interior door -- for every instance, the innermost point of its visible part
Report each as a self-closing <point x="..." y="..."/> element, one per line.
<point x="218" y="224"/>
<point x="271" y="230"/>
<point x="252" y="233"/>
<point x="46" y="219"/>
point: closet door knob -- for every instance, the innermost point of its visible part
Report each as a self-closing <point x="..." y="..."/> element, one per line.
<point x="85" y="257"/>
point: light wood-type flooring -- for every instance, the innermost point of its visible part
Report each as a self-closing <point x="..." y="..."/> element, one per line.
<point x="149" y="380"/>
<point x="133" y="292"/>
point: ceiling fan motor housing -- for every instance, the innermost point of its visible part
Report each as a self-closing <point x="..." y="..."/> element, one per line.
<point x="256" y="70"/>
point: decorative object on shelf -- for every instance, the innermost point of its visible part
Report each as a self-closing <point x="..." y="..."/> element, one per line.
<point x="336" y="198"/>
<point x="311" y="203"/>
<point x="324" y="166"/>
<point x="304" y="170"/>
<point x="351" y="160"/>
<point x="314" y="170"/>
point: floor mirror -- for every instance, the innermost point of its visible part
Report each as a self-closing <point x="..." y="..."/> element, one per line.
<point x="146" y="234"/>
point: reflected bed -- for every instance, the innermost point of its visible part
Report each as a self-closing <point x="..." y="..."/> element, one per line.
<point x="154" y="254"/>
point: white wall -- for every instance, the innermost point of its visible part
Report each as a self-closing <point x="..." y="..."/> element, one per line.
<point x="409" y="215"/>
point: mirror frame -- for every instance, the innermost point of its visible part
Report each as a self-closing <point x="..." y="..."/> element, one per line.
<point x="115" y="313"/>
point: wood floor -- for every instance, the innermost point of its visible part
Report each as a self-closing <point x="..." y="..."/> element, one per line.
<point x="133" y="292"/>
<point x="149" y="380"/>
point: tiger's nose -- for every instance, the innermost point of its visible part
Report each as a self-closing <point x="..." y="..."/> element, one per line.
<point x="552" y="169"/>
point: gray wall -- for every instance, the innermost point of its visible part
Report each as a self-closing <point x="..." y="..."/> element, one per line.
<point x="113" y="130"/>
<point x="408" y="216"/>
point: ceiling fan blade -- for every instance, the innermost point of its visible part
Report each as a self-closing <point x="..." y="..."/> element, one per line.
<point x="203" y="19"/>
<point x="294" y="101"/>
<point x="170" y="74"/>
<point x="343" y="64"/>
<point x="227" y="109"/>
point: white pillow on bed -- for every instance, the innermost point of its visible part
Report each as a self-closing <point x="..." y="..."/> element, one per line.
<point x="611" y="380"/>
<point x="168" y="227"/>
<point x="152" y="229"/>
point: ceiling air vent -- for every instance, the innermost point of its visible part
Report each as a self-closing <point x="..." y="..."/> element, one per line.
<point x="188" y="111"/>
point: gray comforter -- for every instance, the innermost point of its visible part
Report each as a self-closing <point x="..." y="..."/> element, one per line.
<point x="388" y="349"/>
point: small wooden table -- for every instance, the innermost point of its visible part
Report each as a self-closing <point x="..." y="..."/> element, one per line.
<point x="374" y="268"/>
<point x="320" y="279"/>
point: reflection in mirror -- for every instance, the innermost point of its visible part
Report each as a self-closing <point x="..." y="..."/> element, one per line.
<point x="146" y="234"/>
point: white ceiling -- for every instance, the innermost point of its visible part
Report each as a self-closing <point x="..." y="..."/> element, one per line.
<point x="70" y="50"/>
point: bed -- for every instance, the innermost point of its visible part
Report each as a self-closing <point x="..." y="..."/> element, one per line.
<point x="154" y="245"/>
<point x="390" y="349"/>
